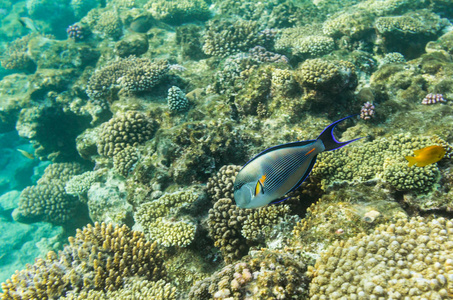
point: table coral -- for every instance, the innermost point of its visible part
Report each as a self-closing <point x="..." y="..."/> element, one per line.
<point x="129" y="129"/>
<point x="263" y="274"/>
<point x="409" y="258"/>
<point x="99" y="257"/>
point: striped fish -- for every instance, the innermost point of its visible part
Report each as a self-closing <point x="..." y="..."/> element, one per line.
<point x="279" y="170"/>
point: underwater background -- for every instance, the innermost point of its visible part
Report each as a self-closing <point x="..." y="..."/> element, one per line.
<point x="123" y="124"/>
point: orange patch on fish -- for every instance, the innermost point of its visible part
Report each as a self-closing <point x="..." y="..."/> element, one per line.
<point x="426" y="156"/>
<point x="310" y="151"/>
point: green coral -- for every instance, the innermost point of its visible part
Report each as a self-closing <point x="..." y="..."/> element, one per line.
<point x="161" y="219"/>
<point x="354" y="25"/>
<point x="404" y="24"/>
<point x="125" y="160"/>
<point x="178" y="12"/>
<point x="80" y="184"/>
<point x="109" y="24"/>
<point x="16" y="56"/>
<point x="409" y="258"/>
<point x="134" y="288"/>
<point x="306" y="46"/>
<point x="224" y="38"/>
<point x="382" y="158"/>
<point x="263" y="274"/>
<point x="328" y="76"/>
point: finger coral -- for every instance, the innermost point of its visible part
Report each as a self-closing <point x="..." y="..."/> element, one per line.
<point x="99" y="257"/>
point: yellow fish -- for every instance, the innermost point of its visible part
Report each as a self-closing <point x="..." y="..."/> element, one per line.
<point x="426" y="156"/>
<point x="26" y="154"/>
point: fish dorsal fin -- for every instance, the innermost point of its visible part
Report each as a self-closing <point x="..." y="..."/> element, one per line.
<point x="293" y="144"/>
<point x="417" y="152"/>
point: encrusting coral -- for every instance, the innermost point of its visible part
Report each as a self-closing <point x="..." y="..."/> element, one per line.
<point x="263" y="274"/>
<point x="406" y="259"/>
<point x="99" y="257"/>
<point x="129" y="129"/>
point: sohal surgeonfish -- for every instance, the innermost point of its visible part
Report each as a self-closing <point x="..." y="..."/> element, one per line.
<point x="275" y="172"/>
<point x="426" y="156"/>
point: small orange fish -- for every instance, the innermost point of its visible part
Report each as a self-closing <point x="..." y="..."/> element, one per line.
<point x="426" y="156"/>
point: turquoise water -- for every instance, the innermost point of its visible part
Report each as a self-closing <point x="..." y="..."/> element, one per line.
<point x="140" y="113"/>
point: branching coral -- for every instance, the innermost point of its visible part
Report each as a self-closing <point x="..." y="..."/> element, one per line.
<point x="99" y="257"/>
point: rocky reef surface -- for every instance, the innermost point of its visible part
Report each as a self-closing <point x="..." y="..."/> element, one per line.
<point x="133" y="117"/>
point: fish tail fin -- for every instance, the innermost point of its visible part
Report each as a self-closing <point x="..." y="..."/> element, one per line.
<point x="329" y="141"/>
<point x="411" y="160"/>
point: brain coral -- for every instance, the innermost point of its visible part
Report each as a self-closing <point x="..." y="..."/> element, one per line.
<point x="407" y="259"/>
<point x="261" y="275"/>
<point x="100" y="257"/>
<point x="129" y="129"/>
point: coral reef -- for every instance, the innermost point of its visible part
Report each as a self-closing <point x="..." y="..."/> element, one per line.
<point x="225" y="220"/>
<point x="224" y="38"/>
<point x="403" y="259"/>
<point x="129" y="129"/>
<point x="16" y="56"/>
<point x="261" y="275"/>
<point x="163" y="221"/>
<point x="178" y="12"/>
<point x="329" y="76"/>
<point x="384" y="159"/>
<point x="131" y="74"/>
<point x="295" y="41"/>
<point x="99" y="257"/>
